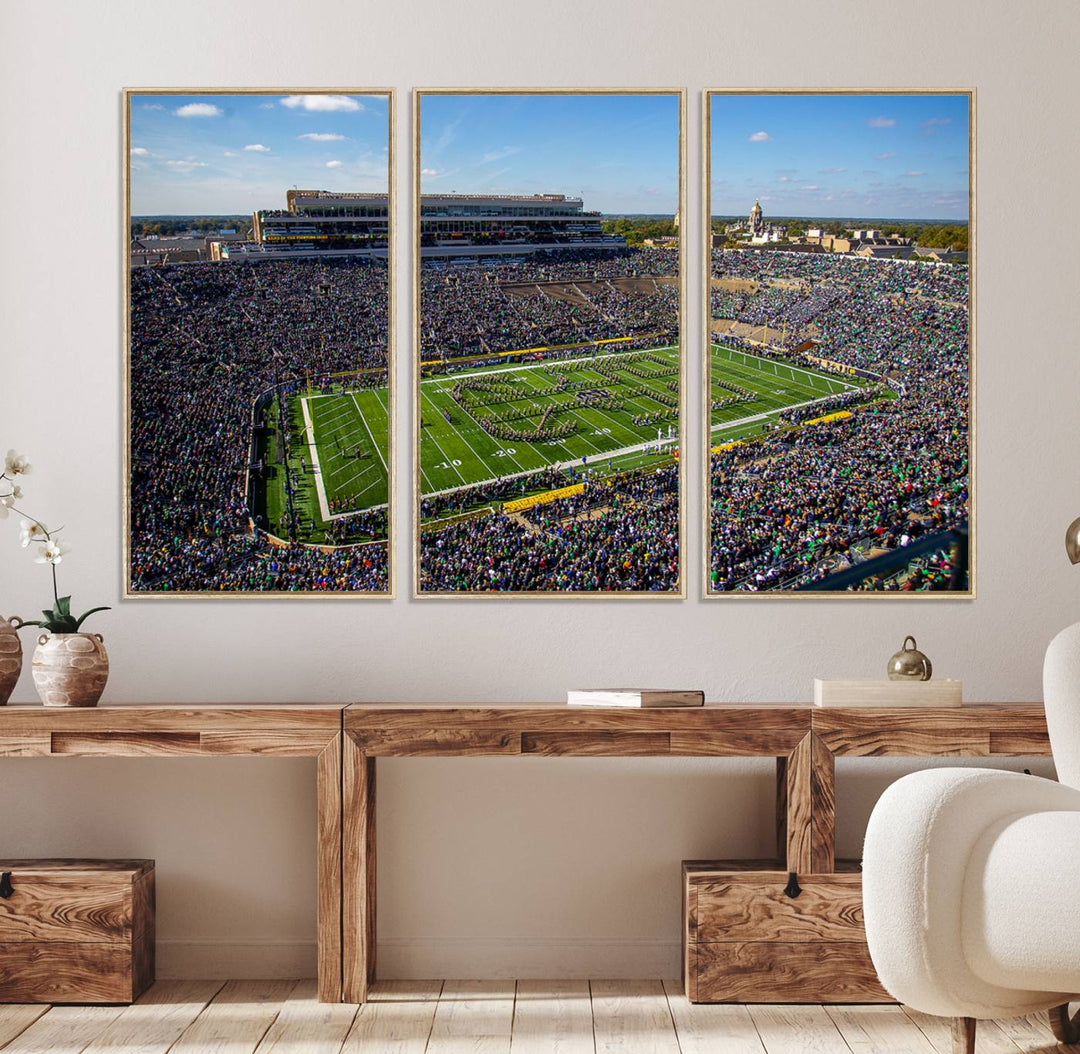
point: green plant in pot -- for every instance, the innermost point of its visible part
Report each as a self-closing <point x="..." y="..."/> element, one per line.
<point x="70" y="667"/>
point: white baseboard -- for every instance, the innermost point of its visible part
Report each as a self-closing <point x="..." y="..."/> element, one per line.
<point x="416" y="958"/>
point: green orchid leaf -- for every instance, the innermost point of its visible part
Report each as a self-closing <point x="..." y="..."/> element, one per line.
<point x="83" y="618"/>
<point x="49" y="615"/>
<point x="63" y="606"/>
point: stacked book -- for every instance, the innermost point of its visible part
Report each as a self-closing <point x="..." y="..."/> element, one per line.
<point x="634" y="697"/>
<point x="888" y="693"/>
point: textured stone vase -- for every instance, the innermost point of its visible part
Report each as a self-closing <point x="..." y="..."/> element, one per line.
<point x="10" y="656"/>
<point x="70" y="669"/>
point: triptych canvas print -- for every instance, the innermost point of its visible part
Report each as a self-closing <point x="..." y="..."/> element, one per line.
<point x="548" y="256"/>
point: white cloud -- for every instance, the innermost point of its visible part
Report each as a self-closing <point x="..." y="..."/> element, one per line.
<point x="199" y="109"/>
<point x="321" y="103"/>
<point x="257" y="148"/>
<point x="266" y="106"/>
<point x="832" y="171"/>
<point x="334" y="164"/>
<point x="430" y="172"/>
<point x="881" y="122"/>
<point x="321" y="137"/>
<point x="760" y="137"/>
<point x="884" y="157"/>
<point x="914" y="175"/>
<point x="139" y="151"/>
<point x="186" y="166"/>
<point x="228" y="153"/>
<point x="937" y="120"/>
<point x="809" y="186"/>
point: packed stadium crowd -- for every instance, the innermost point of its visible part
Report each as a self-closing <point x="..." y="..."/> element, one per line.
<point x="611" y="538"/>
<point x="469" y="311"/>
<point x="207" y="340"/>
<point x="795" y="504"/>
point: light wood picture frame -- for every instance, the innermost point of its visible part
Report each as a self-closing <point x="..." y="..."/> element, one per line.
<point x="549" y="488"/>
<point x="259" y="333"/>
<point x="838" y="346"/>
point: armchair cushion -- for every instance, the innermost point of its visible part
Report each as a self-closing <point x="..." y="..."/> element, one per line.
<point x="1021" y="903"/>
<point x="922" y="837"/>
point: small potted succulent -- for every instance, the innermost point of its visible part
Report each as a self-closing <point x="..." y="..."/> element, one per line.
<point x="70" y="667"/>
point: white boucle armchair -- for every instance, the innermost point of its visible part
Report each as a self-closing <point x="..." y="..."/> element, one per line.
<point x="971" y="880"/>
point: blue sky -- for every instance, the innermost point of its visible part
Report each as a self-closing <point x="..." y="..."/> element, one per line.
<point x="620" y="153"/>
<point x="232" y="154"/>
<point x="873" y="156"/>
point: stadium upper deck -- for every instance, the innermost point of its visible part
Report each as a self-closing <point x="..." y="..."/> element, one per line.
<point x="450" y="224"/>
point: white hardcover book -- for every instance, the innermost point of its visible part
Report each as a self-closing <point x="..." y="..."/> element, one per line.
<point x="888" y="693"/>
<point x="633" y="697"/>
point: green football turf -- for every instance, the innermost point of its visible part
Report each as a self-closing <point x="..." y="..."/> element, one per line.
<point x="460" y="452"/>
<point x="351" y="436"/>
<point x="350" y="427"/>
<point x="777" y="385"/>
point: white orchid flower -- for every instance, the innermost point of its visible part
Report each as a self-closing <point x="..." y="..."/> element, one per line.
<point x="52" y="552"/>
<point x="31" y="531"/>
<point x="16" y="464"/>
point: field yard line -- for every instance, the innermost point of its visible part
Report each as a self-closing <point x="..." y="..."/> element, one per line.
<point x="356" y="475"/>
<point x="767" y="413"/>
<point x="577" y="435"/>
<point x="800" y="369"/>
<point x="457" y="432"/>
<point x="548" y="362"/>
<point x="749" y="375"/>
<point x="450" y="463"/>
<point x="574" y="463"/>
<point x="320" y="490"/>
<point x="371" y="437"/>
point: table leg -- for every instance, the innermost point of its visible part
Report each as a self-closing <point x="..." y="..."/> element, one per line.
<point x="806" y="807"/>
<point x="329" y="867"/>
<point x="358" y="889"/>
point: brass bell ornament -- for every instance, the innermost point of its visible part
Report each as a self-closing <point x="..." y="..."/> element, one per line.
<point x="909" y="664"/>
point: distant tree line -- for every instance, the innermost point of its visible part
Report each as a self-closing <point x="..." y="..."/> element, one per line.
<point x="635" y="229"/>
<point x="929" y="235"/>
<point x="164" y="226"/>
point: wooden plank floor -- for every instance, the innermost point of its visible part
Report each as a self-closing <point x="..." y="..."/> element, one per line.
<point x="484" y="1017"/>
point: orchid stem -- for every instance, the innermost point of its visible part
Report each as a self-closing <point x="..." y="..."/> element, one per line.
<point x="55" y="592"/>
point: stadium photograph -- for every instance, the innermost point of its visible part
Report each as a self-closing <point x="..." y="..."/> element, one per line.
<point x="549" y="380"/>
<point x="838" y="351"/>
<point x="258" y="275"/>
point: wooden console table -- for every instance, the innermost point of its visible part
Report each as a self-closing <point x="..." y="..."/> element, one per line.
<point x="207" y="730"/>
<point x="805" y="741"/>
<point x="347" y="740"/>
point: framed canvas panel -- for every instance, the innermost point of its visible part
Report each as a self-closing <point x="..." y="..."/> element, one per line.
<point x="258" y="274"/>
<point x="549" y="373"/>
<point x="839" y="365"/>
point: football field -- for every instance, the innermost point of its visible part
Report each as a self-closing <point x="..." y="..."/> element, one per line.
<point x="767" y="388"/>
<point x="594" y="398"/>
<point x="610" y="412"/>
<point x="337" y="458"/>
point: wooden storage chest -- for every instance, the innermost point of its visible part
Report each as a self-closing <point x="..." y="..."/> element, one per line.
<point x="76" y="931"/>
<point x="747" y="940"/>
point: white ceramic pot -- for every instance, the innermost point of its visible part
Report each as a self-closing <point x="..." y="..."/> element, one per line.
<point x="70" y="669"/>
<point x="10" y="656"/>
